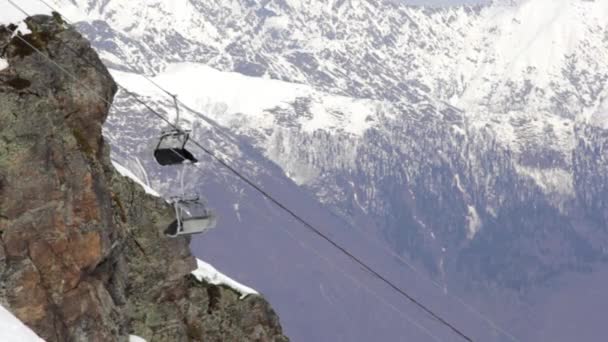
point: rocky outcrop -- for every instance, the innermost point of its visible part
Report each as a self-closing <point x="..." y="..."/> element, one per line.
<point x="82" y="249"/>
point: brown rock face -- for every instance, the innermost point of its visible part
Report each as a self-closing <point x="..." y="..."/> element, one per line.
<point x="84" y="257"/>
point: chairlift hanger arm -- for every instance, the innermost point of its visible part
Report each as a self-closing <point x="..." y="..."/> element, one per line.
<point x="176" y="104"/>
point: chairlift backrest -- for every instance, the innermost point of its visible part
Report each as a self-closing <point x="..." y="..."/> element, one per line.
<point x="173" y="139"/>
<point x="171" y="148"/>
<point x="192" y="217"/>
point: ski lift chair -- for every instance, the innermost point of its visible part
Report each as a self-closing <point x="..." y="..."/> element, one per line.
<point x="191" y="217"/>
<point x="171" y="148"/>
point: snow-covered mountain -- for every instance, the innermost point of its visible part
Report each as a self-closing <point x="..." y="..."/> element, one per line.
<point x="470" y="141"/>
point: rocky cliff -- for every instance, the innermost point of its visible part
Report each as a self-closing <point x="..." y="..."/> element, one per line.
<point x="82" y="249"/>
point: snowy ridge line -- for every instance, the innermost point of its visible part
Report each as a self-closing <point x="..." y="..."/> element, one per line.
<point x="231" y="98"/>
<point x="127" y="173"/>
<point x="208" y="273"/>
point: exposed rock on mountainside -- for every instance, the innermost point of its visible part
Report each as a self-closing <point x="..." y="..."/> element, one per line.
<point x="82" y="250"/>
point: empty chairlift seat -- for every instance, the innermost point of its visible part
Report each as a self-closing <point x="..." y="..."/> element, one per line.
<point x="191" y="217"/>
<point x="171" y="148"/>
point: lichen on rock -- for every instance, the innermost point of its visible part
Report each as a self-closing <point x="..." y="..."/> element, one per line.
<point x="82" y="249"/>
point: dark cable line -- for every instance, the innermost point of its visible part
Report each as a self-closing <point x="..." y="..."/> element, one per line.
<point x="268" y="196"/>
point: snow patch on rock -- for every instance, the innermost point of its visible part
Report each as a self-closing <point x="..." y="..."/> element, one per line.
<point x="13" y="330"/>
<point x="127" y="173"/>
<point x="3" y="64"/>
<point x="22" y="29"/>
<point x="209" y="274"/>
